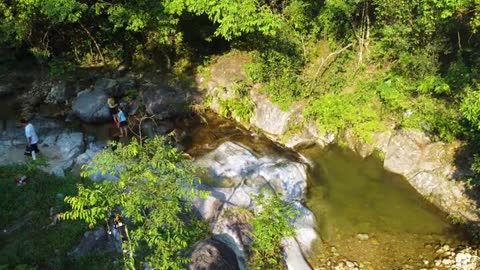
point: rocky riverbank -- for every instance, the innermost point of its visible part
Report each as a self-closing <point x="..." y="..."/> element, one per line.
<point x="235" y="172"/>
<point x="432" y="168"/>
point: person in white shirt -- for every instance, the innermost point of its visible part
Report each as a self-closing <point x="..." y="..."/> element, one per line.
<point x="32" y="139"/>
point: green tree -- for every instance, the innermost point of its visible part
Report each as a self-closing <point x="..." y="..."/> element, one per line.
<point x="153" y="193"/>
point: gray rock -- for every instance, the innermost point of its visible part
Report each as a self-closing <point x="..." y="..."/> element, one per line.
<point x="228" y="165"/>
<point x="61" y="150"/>
<point x="109" y="86"/>
<point x="91" y="106"/>
<point x="232" y="164"/>
<point x="208" y="208"/>
<point x="293" y="255"/>
<point x="268" y="116"/>
<point x="234" y="230"/>
<point x="306" y="228"/>
<point x="57" y="93"/>
<point x="70" y="144"/>
<point x="212" y="254"/>
<point x="164" y="101"/>
<point x="93" y="241"/>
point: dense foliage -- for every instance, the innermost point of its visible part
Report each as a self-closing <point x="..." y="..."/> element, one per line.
<point x="153" y="196"/>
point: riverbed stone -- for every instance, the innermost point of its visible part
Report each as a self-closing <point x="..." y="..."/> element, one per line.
<point x="91" y="106"/>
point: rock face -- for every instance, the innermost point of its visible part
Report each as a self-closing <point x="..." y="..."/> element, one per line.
<point x="212" y="254"/>
<point x="163" y="101"/>
<point x="91" y="106"/>
<point x="427" y="166"/>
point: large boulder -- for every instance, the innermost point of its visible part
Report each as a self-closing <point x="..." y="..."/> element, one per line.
<point x="91" y="106"/>
<point x="212" y="254"/>
<point x="268" y="116"/>
<point x="229" y="69"/>
<point x="163" y="101"/>
<point x="235" y="172"/>
<point x="234" y="175"/>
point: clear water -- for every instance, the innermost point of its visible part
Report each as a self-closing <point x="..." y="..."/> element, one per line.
<point x="350" y="195"/>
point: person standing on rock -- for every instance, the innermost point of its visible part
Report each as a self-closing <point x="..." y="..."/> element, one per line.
<point x="113" y="108"/>
<point x="123" y="125"/>
<point x="32" y="139"/>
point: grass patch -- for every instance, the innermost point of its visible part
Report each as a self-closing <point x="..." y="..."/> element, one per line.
<point x="26" y="239"/>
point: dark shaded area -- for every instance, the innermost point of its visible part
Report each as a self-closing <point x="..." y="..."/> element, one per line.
<point x="212" y="254"/>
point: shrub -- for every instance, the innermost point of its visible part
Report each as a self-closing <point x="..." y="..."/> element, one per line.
<point x="271" y="223"/>
<point x="337" y="113"/>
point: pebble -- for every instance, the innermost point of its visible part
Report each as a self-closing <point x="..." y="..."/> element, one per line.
<point x="362" y="236"/>
<point x="447" y="262"/>
<point x="350" y="264"/>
